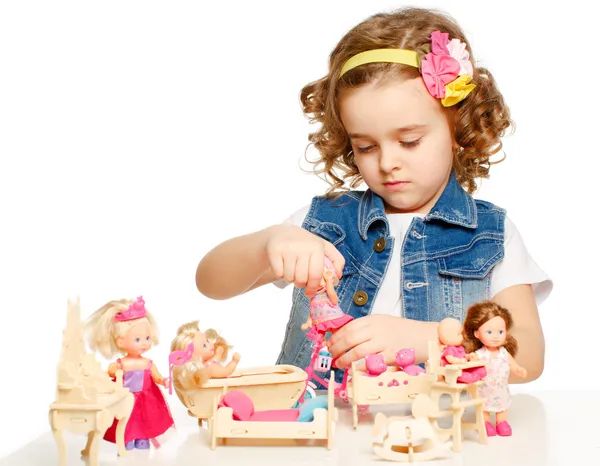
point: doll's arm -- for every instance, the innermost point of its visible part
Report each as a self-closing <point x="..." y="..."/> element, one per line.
<point x="112" y="369"/>
<point x="454" y="360"/>
<point x="527" y="329"/>
<point x="307" y="324"/>
<point x="515" y="368"/>
<point x="158" y="379"/>
<point x="219" y="372"/>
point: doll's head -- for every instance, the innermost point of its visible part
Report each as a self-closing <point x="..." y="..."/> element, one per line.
<point x="424" y="100"/>
<point x="489" y="324"/>
<point x="450" y="332"/>
<point x="122" y="327"/>
<point x="193" y="373"/>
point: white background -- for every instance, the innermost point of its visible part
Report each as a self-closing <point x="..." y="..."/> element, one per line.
<point x="135" y="136"/>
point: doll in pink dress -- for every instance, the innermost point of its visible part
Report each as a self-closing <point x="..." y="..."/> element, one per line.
<point x="325" y="313"/>
<point x="450" y="335"/>
<point x="487" y="337"/>
<point x="125" y="327"/>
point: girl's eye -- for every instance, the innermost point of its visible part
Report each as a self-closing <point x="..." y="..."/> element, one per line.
<point x="501" y="332"/>
<point x="137" y="340"/>
<point x="205" y="345"/>
<point x="410" y="144"/>
<point x="147" y="338"/>
<point x="489" y="332"/>
<point x="362" y="150"/>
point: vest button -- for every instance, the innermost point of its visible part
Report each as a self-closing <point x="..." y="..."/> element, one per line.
<point x="360" y="298"/>
<point x="379" y="245"/>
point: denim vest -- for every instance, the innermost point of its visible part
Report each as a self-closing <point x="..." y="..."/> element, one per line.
<point x="446" y="259"/>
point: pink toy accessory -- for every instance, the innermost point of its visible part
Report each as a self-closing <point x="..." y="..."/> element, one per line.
<point x="136" y="310"/>
<point x="177" y="358"/>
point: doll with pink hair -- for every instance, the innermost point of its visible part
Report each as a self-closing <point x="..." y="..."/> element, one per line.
<point x="125" y="327"/>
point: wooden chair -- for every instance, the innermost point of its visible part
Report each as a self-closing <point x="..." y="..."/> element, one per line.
<point x="447" y="385"/>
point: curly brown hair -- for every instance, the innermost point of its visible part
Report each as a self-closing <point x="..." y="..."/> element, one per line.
<point x="480" y="313"/>
<point x="480" y="120"/>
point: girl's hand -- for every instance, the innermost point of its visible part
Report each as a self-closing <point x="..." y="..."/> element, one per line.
<point x="372" y="334"/>
<point x="297" y="256"/>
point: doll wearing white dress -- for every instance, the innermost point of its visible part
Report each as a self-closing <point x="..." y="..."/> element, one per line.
<point x="487" y="337"/>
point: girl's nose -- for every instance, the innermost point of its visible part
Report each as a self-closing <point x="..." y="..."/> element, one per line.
<point x="390" y="159"/>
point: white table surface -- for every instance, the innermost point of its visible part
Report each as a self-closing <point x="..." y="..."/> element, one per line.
<point x="549" y="428"/>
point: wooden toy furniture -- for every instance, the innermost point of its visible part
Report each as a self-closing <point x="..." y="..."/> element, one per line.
<point x="411" y="438"/>
<point x="269" y="387"/>
<point x="391" y="387"/>
<point x="87" y="399"/>
<point x="226" y="424"/>
<point x="446" y="385"/>
<point x="451" y="372"/>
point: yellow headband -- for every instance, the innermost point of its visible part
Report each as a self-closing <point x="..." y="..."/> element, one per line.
<point x="404" y="57"/>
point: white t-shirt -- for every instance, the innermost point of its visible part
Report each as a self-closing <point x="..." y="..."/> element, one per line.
<point x="516" y="268"/>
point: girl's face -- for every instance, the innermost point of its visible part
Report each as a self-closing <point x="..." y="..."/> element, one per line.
<point x="137" y="340"/>
<point x="402" y="142"/>
<point x="492" y="334"/>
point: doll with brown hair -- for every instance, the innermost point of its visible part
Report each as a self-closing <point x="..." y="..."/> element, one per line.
<point x="487" y="337"/>
<point x="210" y="351"/>
<point x="125" y="327"/>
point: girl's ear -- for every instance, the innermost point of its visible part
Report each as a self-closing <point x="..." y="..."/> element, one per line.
<point x="476" y="333"/>
<point x="119" y="342"/>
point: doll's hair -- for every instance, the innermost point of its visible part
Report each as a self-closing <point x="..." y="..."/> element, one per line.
<point x="193" y="374"/>
<point x="480" y="120"/>
<point x="103" y="330"/>
<point x="480" y="313"/>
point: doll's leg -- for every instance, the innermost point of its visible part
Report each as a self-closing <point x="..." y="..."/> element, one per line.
<point x="490" y="428"/>
<point x="502" y="426"/>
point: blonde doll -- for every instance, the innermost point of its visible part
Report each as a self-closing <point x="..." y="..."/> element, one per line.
<point x="487" y="336"/>
<point x="125" y="327"/>
<point x="210" y="350"/>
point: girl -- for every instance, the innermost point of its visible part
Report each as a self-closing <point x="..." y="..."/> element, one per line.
<point x="487" y="336"/>
<point x="125" y="327"/>
<point x="209" y="352"/>
<point x="405" y="109"/>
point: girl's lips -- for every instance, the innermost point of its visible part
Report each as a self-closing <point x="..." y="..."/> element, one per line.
<point x="396" y="185"/>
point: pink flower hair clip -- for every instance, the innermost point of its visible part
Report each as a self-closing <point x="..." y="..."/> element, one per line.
<point x="447" y="70"/>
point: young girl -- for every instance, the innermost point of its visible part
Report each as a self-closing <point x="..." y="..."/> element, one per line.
<point x="487" y="336"/>
<point x="405" y="109"/>
<point x="125" y="327"/>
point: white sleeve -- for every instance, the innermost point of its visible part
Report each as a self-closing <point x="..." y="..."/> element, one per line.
<point x="297" y="218"/>
<point x="518" y="267"/>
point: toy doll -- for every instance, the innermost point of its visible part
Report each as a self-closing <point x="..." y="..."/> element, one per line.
<point x="325" y="313"/>
<point x="487" y="337"/>
<point x="209" y="352"/>
<point x="450" y="335"/>
<point x="125" y="327"/>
